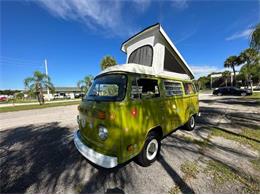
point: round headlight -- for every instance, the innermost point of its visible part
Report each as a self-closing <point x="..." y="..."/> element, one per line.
<point x="102" y="133"/>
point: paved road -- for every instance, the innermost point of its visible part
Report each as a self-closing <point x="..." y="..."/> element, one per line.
<point x="38" y="155"/>
<point x="64" y="115"/>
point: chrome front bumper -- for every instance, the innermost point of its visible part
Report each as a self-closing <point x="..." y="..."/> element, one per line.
<point x="93" y="156"/>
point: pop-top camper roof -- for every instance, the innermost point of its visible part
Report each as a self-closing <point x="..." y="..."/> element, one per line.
<point x="152" y="52"/>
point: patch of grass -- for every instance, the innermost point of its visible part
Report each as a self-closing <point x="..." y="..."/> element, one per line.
<point x="190" y="169"/>
<point x="36" y="106"/>
<point x="79" y="188"/>
<point x="256" y="164"/>
<point x="200" y="142"/>
<point x="206" y="91"/>
<point x="11" y="101"/>
<point x="175" y="190"/>
<point x="256" y="95"/>
<point x="221" y="174"/>
<point x="247" y="136"/>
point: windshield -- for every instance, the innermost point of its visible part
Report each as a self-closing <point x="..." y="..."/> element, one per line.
<point x="108" y="88"/>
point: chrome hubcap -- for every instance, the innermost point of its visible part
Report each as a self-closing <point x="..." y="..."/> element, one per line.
<point x="152" y="149"/>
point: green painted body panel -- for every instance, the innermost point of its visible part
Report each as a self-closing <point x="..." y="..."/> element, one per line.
<point x="126" y="128"/>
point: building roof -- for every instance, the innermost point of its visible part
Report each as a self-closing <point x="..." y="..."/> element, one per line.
<point x="66" y="89"/>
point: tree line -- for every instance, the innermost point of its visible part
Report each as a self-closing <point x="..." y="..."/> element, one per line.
<point x="249" y="73"/>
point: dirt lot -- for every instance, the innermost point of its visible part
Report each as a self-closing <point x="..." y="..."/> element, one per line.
<point x="222" y="155"/>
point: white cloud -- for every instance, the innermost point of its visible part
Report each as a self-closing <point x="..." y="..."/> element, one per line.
<point x="180" y="4"/>
<point x="203" y="70"/>
<point x="244" y="34"/>
<point x="106" y="15"/>
<point x="142" y="5"/>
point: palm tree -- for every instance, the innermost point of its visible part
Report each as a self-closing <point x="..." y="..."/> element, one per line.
<point x="226" y="75"/>
<point x="36" y="83"/>
<point x="255" y="38"/>
<point x="249" y="57"/>
<point x="107" y="61"/>
<point x="85" y="83"/>
<point x="231" y="62"/>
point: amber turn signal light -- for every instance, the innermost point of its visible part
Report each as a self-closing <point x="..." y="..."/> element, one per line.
<point x="130" y="148"/>
<point x="101" y="115"/>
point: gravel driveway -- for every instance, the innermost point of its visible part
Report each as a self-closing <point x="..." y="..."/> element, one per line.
<point x="37" y="155"/>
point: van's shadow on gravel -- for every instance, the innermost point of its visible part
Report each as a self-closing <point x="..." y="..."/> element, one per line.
<point x="38" y="155"/>
<point x="37" y="159"/>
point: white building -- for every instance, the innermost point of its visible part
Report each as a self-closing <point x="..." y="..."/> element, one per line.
<point x="63" y="92"/>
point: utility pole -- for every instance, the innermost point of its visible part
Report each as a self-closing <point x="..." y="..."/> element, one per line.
<point x="46" y="72"/>
<point x="210" y="81"/>
<point x="231" y="78"/>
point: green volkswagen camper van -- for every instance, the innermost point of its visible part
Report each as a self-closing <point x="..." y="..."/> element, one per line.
<point x="129" y="108"/>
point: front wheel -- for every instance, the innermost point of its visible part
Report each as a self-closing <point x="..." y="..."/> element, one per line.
<point x="190" y="125"/>
<point x="243" y="94"/>
<point x="150" y="150"/>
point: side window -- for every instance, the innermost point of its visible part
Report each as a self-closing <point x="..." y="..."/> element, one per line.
<point x="142" y="55"/>
<point x="172" y="88"/>
<point x="188" y="88"/>
<point x="145" y="89"/>
<point x="171" y="64"/>
<point x="135" y="91"/>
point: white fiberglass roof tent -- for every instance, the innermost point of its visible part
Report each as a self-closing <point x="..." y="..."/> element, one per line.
<point x="152" y="52"/>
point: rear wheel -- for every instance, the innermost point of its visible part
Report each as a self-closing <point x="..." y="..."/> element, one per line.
<point x="150" y="150"/>
<point x="243" y="94"/>
<point x="190" y="125"/>
<point x="219" y="94"/>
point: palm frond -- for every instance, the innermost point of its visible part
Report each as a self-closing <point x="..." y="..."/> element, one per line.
<point x="80" y="83"/>
<point x="28" y="81"/>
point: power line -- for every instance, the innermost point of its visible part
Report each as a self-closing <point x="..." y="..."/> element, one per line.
<point x="19" y="60"/>
<point x="13" y="62"/>
<point x="17" y="64"/>
<point x="6" y="61"/>
<point x="20" y="65"/>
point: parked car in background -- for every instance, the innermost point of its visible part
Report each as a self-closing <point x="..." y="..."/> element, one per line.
<point x="3" y="98"/>
<point x="79" y="95"/>
<point x="257" y="88"/>
<point x="61" y="96"/>
<point x="231" y="91"/>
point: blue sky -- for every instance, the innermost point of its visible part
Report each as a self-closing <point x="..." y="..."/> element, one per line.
<point x="74" y="35"/>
